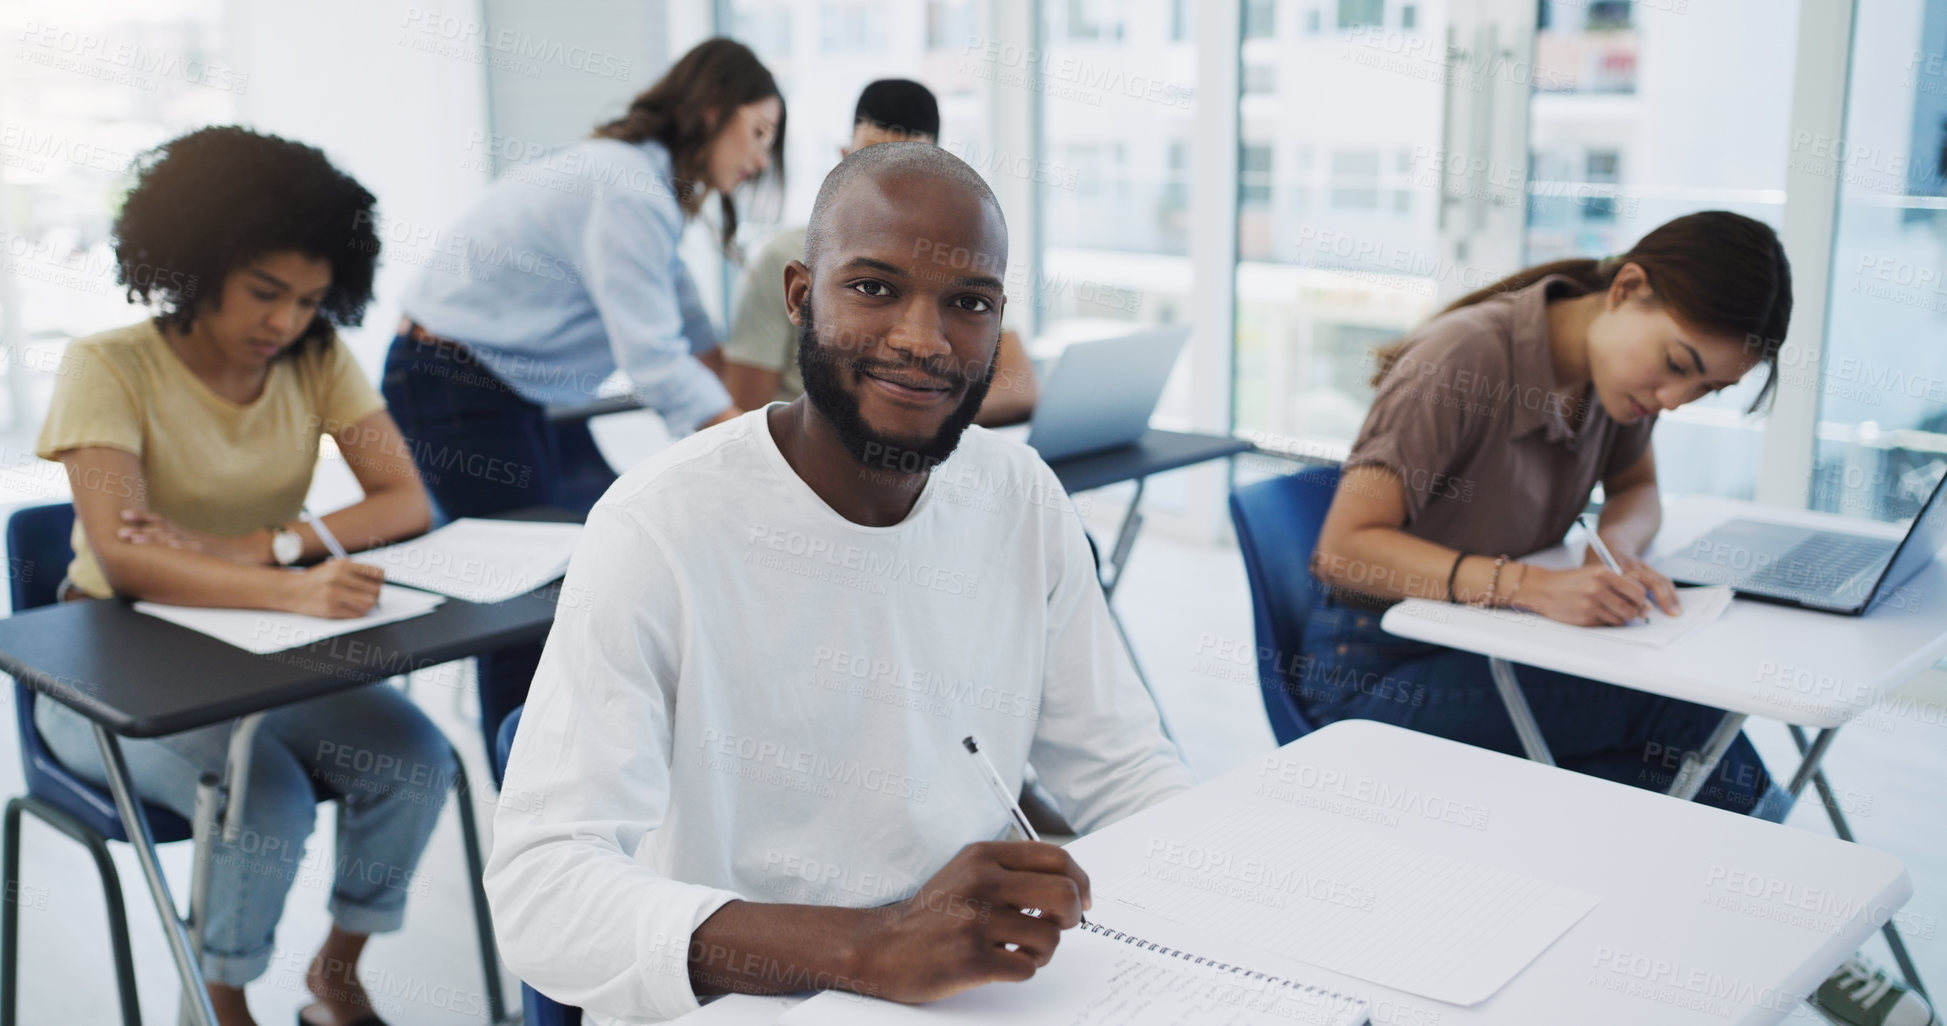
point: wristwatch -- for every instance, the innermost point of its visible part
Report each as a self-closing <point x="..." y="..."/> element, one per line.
<point x="285" y="546"/>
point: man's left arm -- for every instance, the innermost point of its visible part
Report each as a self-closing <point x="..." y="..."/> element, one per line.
<point x="1098" y="745"/>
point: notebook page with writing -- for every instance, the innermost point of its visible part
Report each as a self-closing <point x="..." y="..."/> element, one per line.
<point x="1338" y="898"/>
<point x="1100" y="976"/>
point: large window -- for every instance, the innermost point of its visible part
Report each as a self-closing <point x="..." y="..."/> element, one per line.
<point x="1117" y="103"/>
<point x="1335" y="224"/>
<point x="1882" y="425"/>
<point x="76" y="115"/>
<point x="824" y="53"/>
<point x="1631" y="125"/>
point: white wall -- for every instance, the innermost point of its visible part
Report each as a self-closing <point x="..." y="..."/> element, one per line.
<point x="391" y="99"/>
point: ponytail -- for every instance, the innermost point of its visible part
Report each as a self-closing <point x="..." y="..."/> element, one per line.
<point x="1723" y="272"/>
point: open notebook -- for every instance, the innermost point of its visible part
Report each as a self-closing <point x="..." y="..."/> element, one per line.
<point x="1101" y="976"/>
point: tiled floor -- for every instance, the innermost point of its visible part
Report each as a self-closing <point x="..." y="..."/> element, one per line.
<point x="1186" y="607"/>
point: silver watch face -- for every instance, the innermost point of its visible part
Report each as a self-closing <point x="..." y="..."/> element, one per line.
<point x="286" y="546"/>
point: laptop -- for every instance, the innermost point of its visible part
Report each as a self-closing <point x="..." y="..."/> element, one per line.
<point x="1830" y="571"/>
<point x="1101" y="393"/>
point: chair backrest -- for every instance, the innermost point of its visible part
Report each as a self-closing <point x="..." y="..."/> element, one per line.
<point x="38" y="553"/>
<point x="1277" y="528"/>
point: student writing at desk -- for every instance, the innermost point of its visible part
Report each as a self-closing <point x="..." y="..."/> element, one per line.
<point x="774" y="635"/>
<point x="1492" y="424"/>
<point x="760" y="352"/>
<point x="189" y="441"/>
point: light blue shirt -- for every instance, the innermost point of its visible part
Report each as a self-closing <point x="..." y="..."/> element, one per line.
<point x="566" y="270"/>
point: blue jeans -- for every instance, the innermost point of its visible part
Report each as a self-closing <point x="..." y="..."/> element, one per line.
<point x="1354" y="670"/>
<point x="369" y="748"/>
<point x="482" y="449"/>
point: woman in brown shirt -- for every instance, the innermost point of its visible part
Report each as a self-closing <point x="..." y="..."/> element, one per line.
<point x="1491" y="426"/>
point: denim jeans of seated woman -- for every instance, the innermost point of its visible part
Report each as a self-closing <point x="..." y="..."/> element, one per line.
<point x="370" y="748"/>
<point x="1354" y="670"/>
<point x="483" y="450"/>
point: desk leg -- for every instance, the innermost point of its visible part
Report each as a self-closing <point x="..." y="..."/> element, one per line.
<point x="1697" y="765"/>
<point x="1519" y="711"/>
<point x="237" y="775"/>
<point x="1809" y="767"/>
<point x="1111" y="575"/>
<point x="1125" y="539"/>
<point x="209" y="793"/>
<point x="136" y="823"/>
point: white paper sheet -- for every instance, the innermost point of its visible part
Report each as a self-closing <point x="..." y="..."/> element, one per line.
<point x="479" y="560"/>
<point x="1402" y="917"/>
<point x="1097" y="980"/>
<point x="264" y="631"/>
<point x="1701" y="607"/>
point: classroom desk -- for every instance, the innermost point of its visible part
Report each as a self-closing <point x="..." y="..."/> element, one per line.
<point x="1675" y="939"/>
<point x="138" y="676"/>
<point x="1805" y="668"/>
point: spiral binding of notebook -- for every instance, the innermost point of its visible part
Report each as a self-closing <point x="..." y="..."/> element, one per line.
<point x="1350" y="1011"/>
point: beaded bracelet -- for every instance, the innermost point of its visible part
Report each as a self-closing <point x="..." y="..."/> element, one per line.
<point x="1495" y="585"/>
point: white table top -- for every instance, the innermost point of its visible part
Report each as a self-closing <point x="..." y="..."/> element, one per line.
<point x="1795" y="665"/>
<point x="1706" y="917"/>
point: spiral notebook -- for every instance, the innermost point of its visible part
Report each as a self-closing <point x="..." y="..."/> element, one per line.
<point x="1101" y="976"/>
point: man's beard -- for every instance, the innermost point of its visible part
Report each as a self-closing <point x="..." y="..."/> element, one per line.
<point x="824" y="371"/>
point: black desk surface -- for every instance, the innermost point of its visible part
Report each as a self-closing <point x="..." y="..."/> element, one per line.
<point x="140" y="676"/>
<point x="1154" y="453"/>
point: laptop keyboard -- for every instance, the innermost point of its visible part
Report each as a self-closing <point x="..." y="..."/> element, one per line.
<point x="1819" y="565"/>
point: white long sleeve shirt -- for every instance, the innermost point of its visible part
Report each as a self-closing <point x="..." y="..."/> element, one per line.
<point x="746" y="695"/>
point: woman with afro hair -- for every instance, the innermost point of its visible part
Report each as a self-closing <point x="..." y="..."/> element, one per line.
<point x="189" y="440"/>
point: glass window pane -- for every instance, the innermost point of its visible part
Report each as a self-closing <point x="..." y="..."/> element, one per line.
<point x="70" y="135"/>
<point x="1627" y="131"/>
<point x="1336" y="236"/>
<point x="1882" y="427"/>
<point x="824" y="54"/>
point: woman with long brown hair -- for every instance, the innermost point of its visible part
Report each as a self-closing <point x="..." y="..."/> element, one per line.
<point x="1492" y="425"/>
<point x="565" y="271"/>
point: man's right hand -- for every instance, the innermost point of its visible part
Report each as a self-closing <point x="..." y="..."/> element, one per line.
<point x="953" y="934"/>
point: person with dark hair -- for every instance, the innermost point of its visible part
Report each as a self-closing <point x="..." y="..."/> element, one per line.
<point x="917" y="580"/>
<point x="1492" y="425"/>
<point x="760" y="362"/>
<point x="189" y="441"/>
<point x="570" y="271"/>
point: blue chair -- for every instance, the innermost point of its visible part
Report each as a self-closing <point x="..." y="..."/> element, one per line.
<point x="537" y="1009"/>
<point x="37" y="541"/>
<point x="38" y="545"/>
<point x="1277" y="528"/>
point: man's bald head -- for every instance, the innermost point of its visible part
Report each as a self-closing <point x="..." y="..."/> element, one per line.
<point x="887" y="161"/>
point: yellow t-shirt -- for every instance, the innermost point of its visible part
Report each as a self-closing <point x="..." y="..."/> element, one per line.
<point x="211" y="465"/>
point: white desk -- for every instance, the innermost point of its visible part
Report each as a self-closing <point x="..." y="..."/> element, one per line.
<point x="1804" y="668"/>
<point x="1658" y="948"/>
<point x="1795" y="665"/>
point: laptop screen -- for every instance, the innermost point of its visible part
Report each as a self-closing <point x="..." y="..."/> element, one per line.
<point x="1922" y="542"/>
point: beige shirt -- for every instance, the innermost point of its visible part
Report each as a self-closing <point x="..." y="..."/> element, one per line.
<point x="210" y="465"/>
<point x="1494" y="458"/>
<point x="761" y="332"/>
